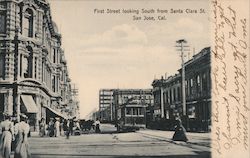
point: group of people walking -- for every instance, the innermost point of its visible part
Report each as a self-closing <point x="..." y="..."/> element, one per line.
<point x="14" y="137"/>
<point x="58" y="127"/>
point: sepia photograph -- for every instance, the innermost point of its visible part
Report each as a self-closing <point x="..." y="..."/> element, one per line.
<point x="124" y="78"/>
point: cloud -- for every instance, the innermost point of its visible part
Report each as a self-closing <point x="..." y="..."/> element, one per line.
<point x="185" y="27"/>
<point x="117" y="36"/>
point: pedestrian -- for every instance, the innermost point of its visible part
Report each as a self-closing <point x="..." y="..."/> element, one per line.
<point x="71" y="126"/>
<point x="61" y="127"/>
<point x="180" y="132"/>
<point x="77" y="128"/>
<point x="42" y="127"/>
<point x="97" y="126"/>
<point x="67" y="129"/>
<point x="22" y="146"/>
<point x="7" y="130"/>
<point x="57" y="127"/>
<point x="51" y="128"/>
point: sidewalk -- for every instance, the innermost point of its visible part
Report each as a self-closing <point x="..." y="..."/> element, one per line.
<point x="202" y="139"/>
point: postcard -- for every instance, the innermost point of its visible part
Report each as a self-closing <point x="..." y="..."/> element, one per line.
<point x="124" y="78"/>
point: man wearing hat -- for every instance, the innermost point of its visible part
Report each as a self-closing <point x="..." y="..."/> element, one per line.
<point x="7" y="129"/>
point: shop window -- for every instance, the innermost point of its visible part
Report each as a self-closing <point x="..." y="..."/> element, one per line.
<point x="2" y="22"/>
<point x="28" y="23"/>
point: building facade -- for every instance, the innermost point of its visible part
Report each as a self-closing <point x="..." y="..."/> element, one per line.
<point x="34" y="77"/>
<point x="105" y="105"/>
<point x="168" y="96"/>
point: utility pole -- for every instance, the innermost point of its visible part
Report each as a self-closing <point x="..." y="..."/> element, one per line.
<point x="181" y="47"/>
<point x="74" y="93"/>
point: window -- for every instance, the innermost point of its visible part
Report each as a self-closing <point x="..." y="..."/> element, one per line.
<point x="43" y="71"/>
<point x="191" y="86"/>
<point x="191" y="82"/>
<point x="2" y="63"/>
<point x="129" y="112"/>
<point x="54" y="55"/>
<point x="28" y="23"/>
<point x="178" y="94"/>
<point x="35" y="67"/>
<point x="135" y="111"/>
<point x="170" y="96"/>
<point x="54" y="83"/>
<point x="2" y="22"/>
<point x="198" y="80"/>
<point x="141" y="111"/>
<point x="204" y="82"/>
<point x="21" y="65"/>
<point x="28" y="64"/>
<point x="174" y="93"/>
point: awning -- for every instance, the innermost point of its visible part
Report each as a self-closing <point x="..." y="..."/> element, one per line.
<point x="56" y="112"/>
<point x="29" y="103"/>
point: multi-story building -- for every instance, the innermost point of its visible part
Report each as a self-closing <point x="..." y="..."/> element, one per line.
<point x="168" y="96"/>
<point x="33" y="71"/>
<point x="105" y="105"/>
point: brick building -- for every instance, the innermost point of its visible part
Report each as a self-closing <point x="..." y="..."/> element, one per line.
<point x="168" y="96"/>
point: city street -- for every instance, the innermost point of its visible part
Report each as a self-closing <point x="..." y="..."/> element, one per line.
<point x="143" y="143"/>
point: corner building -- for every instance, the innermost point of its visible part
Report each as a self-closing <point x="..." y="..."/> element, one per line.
<point x="34" y="78"/>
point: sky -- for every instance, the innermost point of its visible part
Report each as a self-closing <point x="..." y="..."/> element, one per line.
<point x="105" y="50"/>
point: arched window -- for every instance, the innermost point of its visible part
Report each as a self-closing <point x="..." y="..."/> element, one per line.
<point x="28" y="23"/>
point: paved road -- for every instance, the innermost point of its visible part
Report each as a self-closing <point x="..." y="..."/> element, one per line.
<point x="144" y="143"/>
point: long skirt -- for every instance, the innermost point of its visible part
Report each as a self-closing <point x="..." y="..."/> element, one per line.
<point x="180" y="134"/>
<point x="5" y="145"/>
<point x="22" y="148"/>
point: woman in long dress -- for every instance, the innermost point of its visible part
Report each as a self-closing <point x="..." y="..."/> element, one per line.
<point x="180" y="132"/>
<point x="51" y="129"/>
<point x="22" y="146"/>
<point x="7" y="128"/>
<point x="42" y="127"/>
<point x="57" y="128"/>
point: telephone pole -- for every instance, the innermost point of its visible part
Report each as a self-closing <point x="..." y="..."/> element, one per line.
<point x="181" y="45"/>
